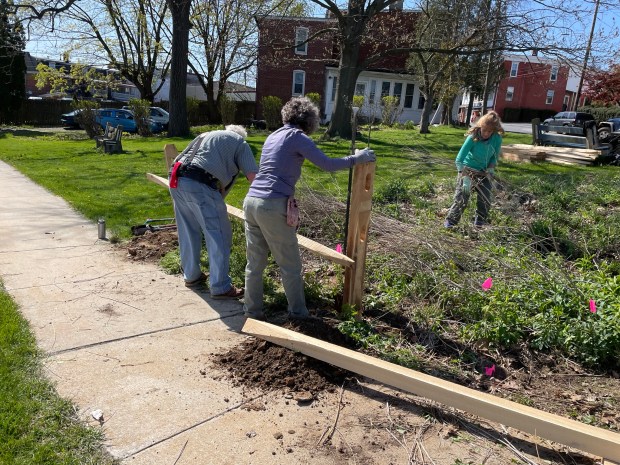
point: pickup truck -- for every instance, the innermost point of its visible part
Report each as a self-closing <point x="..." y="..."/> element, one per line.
<point x="608" y="128"/>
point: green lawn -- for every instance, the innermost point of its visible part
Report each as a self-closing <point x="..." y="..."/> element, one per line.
<point x="36" y="426"/>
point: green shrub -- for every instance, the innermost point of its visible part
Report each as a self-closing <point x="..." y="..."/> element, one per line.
<point x="409" y="125"/>
<point x="87" y="118"/>
<point x="272" y="106"/>
<point x="390" y="110"/>
<point x="228" y="108"/>
<point x="602" y="113"/>
<point x="550" y="311"/>
<point x="358" y="101"/>
<point x="193" y="110"/>
<point x="141" y="110"/>
<point x="396" y="190"/>
<point x="315" y="98"/>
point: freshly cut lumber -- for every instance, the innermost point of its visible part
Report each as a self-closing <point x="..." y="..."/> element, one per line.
<point x="597" y="441"/>
<point x="309" y="244"/>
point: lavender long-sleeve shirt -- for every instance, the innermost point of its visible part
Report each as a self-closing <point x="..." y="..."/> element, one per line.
<point x="283" y="154"/>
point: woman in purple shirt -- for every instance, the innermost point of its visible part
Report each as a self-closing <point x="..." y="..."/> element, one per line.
<point x="266" y="229"/>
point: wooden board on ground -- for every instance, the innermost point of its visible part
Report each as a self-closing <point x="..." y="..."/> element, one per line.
<point x="562" y="430"/>
<point x="564" y="155"/>
<point x="309" y="244"/>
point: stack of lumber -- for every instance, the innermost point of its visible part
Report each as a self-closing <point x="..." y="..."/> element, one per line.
<point x="562" y="155"/>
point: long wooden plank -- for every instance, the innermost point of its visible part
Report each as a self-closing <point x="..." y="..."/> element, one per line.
<point x="572" y="433"/>
<point x="308" y="244"/>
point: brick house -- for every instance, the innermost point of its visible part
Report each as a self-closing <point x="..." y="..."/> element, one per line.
<point x="297" y="56"/>
<point x="530" y="82"/>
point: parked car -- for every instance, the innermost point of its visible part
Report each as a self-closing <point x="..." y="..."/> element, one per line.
<point x="157" y="114"/>
<point x="608" y="128"/>
<point x="125" y="118"/>
<point x="568" y="118"/>
<point x="69" y="119"/>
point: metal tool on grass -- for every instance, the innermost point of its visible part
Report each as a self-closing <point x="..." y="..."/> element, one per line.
<point x="148" y="225"/>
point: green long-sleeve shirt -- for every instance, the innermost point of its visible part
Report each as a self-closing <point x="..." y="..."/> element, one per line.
<point x="479" y="155"/>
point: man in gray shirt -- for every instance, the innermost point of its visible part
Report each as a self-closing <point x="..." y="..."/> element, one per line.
<point x="209" y="166"/>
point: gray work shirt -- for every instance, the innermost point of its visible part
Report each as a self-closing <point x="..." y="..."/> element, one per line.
<point x="223" y="154"/>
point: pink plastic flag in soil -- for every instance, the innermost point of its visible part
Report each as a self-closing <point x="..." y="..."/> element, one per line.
<point x="487" y="284"/>
<point x="489" y="371"/>
<point x="339" y="248"/>
<point x="592" y="306"/>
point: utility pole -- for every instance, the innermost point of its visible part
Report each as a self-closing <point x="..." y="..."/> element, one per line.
<point x="585" y="60"/>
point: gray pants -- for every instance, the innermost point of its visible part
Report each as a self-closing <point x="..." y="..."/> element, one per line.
<point x="481" y="184"/>
<point x="266" y="230"/>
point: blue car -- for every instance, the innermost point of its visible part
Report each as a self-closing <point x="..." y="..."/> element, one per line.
<point x="69" y="119"/>
<point x="125" y="118"/>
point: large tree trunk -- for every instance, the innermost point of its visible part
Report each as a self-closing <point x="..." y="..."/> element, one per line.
<point x="179" y="125"/>
<point x="352" y="28"/>
<point x="426" y="113"/>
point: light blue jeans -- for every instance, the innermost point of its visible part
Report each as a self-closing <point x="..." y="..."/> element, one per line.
<point x="266" y="230"/>
<point x="200" y="210"/>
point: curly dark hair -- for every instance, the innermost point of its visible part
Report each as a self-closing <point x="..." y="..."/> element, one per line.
<point x="301" y="112"/>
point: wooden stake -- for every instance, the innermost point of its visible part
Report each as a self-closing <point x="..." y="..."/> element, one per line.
<point x="359" y="222"/>
<point x="562" y="430"/>
<point x="170" y="153"/>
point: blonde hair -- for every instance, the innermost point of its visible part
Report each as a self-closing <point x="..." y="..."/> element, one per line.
<point x="238" y="130"/>
<point x="490" y="120"/>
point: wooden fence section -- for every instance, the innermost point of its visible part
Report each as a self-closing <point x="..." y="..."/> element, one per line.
<point x="308" y="244"/>
<point x="545" y="425"/>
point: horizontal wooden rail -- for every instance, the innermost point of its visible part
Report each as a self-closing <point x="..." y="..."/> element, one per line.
<point x="562" y="430"/>
<point x="308" y="244"/>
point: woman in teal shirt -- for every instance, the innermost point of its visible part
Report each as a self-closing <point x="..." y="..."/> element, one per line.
<point x="476" y="163"/>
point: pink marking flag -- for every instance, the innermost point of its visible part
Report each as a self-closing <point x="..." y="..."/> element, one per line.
<point x="339" y="248"/>
<point x="487" y="284"/>
<point x="592" y="306"/>
<point x="489" y="371"/>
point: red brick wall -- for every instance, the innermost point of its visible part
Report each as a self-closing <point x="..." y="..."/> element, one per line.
<point x="277" y="59"/>
<point x="530" y="87"/>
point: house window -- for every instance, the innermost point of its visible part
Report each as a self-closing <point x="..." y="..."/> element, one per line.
<point x="373" y="91"/>
<point x="334" y="87"/>
<point x="421" y="101"/>
<point x="385" y="89"/>
<point x="360" y="89"/>
<point x="514" y="68"/>
<point x="301" y="41"/>
<point x="299" y="83"/>
<point x="510" y="91"/>
<point x="554" y="73"/>
<point x="398" y="91"/>
<point x="550" y="97"/>
<point x="409" y="95"/>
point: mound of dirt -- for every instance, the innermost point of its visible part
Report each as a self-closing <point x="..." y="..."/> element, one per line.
<point x="152" y="246"/>
<point x="262" y="365"/>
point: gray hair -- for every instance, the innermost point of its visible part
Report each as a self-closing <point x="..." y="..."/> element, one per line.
<point x="237" y="129"/>
<point x="301" y="112"/>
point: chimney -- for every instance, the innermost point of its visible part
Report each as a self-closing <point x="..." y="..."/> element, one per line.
<point x="534" y="53"/>
<point x="396" y="6"/>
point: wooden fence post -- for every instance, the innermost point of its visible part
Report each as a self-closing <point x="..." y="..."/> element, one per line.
<point x="357" y="234"/>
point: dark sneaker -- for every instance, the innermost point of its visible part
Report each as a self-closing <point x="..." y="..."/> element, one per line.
<point x="255" y="316"/>
<point x="199" y="281"/>
<point x="448" y="225"/>
<point x="232" y="293"/>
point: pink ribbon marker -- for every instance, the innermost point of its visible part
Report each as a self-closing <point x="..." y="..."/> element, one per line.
<point x="339" y="248"/>
<point x="487" y="284"/>
<point x="592" y="306"/>
<point x="489" y="370"/>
